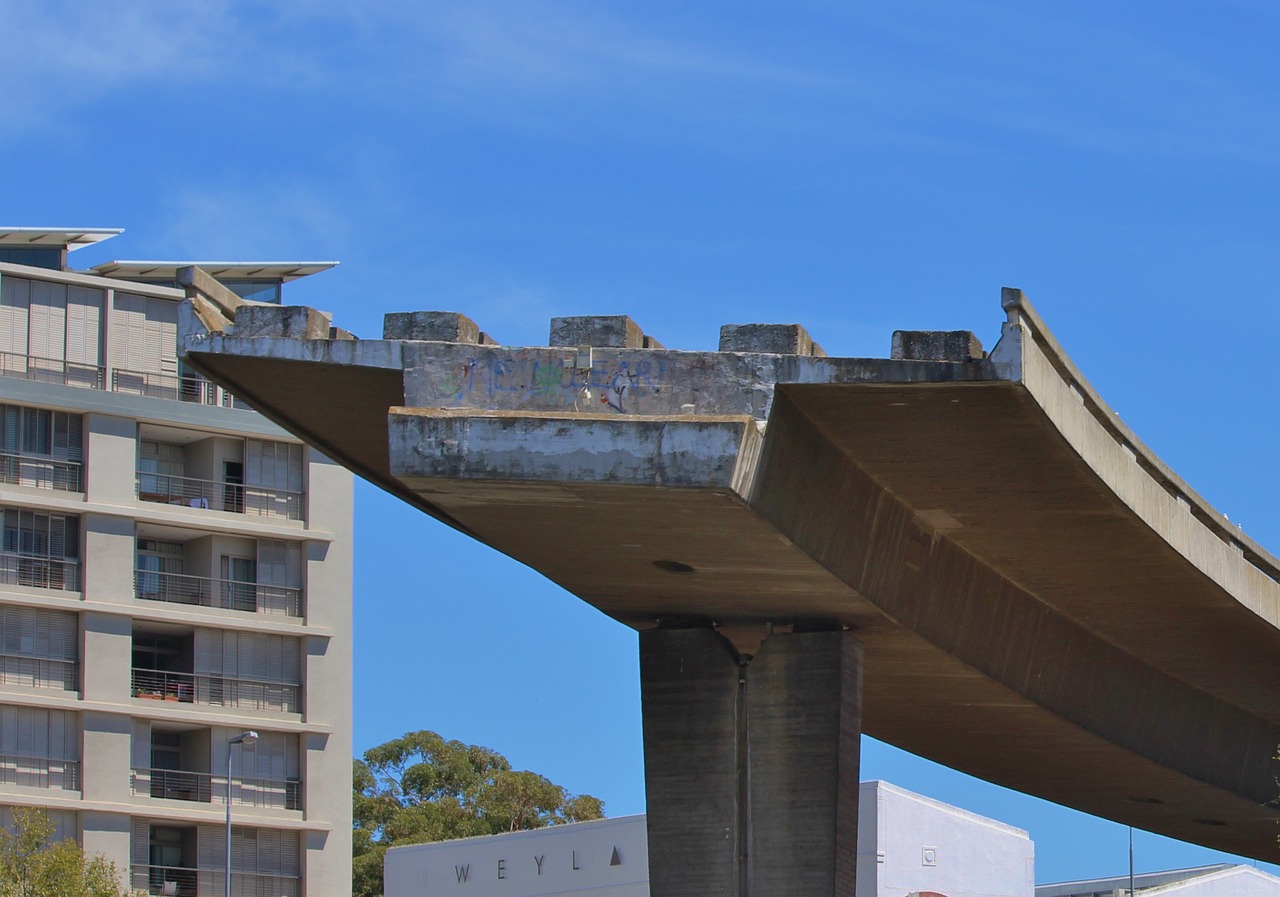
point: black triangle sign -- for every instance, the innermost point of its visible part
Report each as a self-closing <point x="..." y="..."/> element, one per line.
<point x="615" y="860"/>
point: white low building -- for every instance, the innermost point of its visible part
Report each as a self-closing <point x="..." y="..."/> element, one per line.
<point x="1220" y="880"/>
<point x="906" y="843"/>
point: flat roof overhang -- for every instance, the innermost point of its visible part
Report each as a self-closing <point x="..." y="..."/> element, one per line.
<point x="56" y="237"/>
<point x="1041" y="603"/>
<point x="168" y="270"/>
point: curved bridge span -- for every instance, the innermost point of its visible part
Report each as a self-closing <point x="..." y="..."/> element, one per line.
<point x="964" y="554"/>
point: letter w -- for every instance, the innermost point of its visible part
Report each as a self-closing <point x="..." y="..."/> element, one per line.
<point x="462" y="871"/>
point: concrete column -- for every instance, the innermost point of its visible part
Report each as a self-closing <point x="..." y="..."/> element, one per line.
<point x="108" y="751"/>
<point x="327" y="673"/>
<point x="689" y="695"/>
<point x="108" y="835"/>
<point x="111" y="459"/>
<point x="106" y="657"/>
<point x="803" y="705"/>
<point x="751" y="764"/>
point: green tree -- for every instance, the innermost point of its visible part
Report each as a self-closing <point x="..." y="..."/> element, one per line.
<point x="32" y="865"/>
<point x="422" y="788"/>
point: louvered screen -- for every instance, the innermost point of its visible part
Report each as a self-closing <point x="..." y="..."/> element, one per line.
<point x="15" y="315"/>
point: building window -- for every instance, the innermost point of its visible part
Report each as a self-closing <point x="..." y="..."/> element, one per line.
<point x="41" y="550"/>
<point x="36" y="257"/>
<point x="41" y="448"/>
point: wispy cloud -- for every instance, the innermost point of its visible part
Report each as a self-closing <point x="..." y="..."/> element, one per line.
<point x="233" y="219"/>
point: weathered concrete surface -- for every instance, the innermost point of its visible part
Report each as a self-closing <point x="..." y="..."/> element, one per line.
<point x="803" y="719"/>
<point x="611" y="331"/>
<point x="1040" y="601"/>
<point x="751" y="763"/>
<point x="936" y="345"/>
<point x="689" y="692"/>
<point x="778" y="339"/>
<point x="440" y="326"/>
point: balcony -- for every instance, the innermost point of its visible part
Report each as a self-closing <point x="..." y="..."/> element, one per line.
<point x="52" y="370"/>
<point x="39" y="772"/>
<point x="39" y="572"/>
<point x="41" y="473"/>
<point x="179" y="387"/>
<point x="203" y="591"/>
<point x="191" y="882"/>
<point x="192" y="492"/>
<point x="174" y="784"/>
<point x="39" y="672"/>
<point x="242" y="694"/>
<point x="175" y="880"/>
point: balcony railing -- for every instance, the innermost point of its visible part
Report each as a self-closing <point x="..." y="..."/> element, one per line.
<point x="203" y="591"/>
<point x="40" y="573"/>
<point x="39" y="672"/>
<point x="52" y="370"/>
<point x="191" y="492"/>
<point x="39" y="772"/>
<point x="152" y="879"/>
<point x="188" y="688"/>
<point x="173" y="784"/>
<point x="43" y="473"/>
<point x="186" y="388"/>
<point x="190" y="882"/>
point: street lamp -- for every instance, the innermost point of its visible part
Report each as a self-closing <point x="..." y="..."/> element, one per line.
<point x="243" y="738"/>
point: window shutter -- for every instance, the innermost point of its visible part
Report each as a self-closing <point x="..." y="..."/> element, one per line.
<point x="141" y="744"/>
<point x="161" y="336"/>
<point x="127" y="328"/>
<point x="208" y="651"/>
<point x="84" y="325"/>
<point x="48" y="336"/>
<point x="211" y="846"/>
<point x="141" y="842"/>
<point x="15" y="315"/>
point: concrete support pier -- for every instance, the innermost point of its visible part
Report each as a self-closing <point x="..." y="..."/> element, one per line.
<point x="751" y="763"/>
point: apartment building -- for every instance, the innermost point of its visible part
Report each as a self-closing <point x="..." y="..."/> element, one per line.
<point x="175" y="572"/>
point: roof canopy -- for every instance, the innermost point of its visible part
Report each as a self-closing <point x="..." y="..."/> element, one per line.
<point x="54" y="237"/>
<point x="167" y="270"/>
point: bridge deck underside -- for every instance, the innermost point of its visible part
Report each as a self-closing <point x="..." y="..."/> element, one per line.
<point x="1020" y="623"/>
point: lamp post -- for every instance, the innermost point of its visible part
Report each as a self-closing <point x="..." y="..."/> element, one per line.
<point x="243" y="738"/>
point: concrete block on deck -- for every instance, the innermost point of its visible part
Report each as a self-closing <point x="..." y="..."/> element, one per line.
<point x="772" y="339"/>
<point x="435" y="326"/>
<point x="936" y="345"/>
<point x="600" y="331"/>
<point x="282" y="321"/>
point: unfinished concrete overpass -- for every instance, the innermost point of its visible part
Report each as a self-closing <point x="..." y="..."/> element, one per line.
<point x="964" y="554"/>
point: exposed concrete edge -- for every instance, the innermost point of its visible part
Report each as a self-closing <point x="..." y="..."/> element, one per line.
<point x="194" y="338"/>
<point x="688" y="451"/>
<point x="1026" y="320"/>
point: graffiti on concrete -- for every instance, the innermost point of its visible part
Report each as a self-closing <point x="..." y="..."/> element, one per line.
<point x="537" y="379"/>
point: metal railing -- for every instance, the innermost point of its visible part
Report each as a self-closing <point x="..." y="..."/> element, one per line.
<point x="52" y="370"/>
<point x="175" y="784"/>
<point x="188" y="688"/>
<point x="43" y="473"/>
<point x="204" y="591"/>
<point x="153" y="879"/>
<point x="40" y="573"/>
<point x="182" y="388"/>
<point x="39" y="672"/>
<point x="192" y="492"/>
<point x="191" y="882"/>
<point x="39" y="772"/>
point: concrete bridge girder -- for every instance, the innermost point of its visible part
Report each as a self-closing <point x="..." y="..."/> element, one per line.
<point x="1036" y="599"/>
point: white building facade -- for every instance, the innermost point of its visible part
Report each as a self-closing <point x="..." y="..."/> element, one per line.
<point x="175" y="572"/>
<point x="907" y="843"/>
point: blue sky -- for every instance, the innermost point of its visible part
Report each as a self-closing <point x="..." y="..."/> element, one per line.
<point x="855" y="167"/>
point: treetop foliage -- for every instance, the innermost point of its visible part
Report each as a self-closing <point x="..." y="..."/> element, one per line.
<point x="32" y="866"/>
<point x="420" y="788"/>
